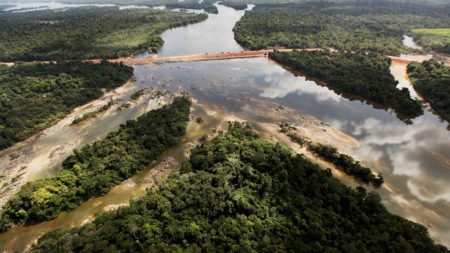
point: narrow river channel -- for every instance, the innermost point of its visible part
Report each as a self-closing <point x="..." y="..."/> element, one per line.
<point x="413" y="158"/>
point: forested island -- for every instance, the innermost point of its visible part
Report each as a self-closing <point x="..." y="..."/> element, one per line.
<point x="432" y="80"/>
<point x="363" y="75"/>
<point x="375" y="26"/>
<point x="234" y="5"/>
<point x="92" y="114"/>
<point x="35" y="96"/>
<point x="206" y="5"/>
<point x="96" y="168"/>
<point x="343" y="162"/>
<point x="81" y="33"/>
<point x="240" y="193"/>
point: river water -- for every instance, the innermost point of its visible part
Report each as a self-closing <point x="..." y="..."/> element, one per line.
<point x="413" y="158"/>
<point x="38" y="6"/>
<point x="409" y="42"/>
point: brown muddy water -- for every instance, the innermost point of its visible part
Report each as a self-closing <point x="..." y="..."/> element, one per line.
<point x="20" y="239"/>
<point x="413" y="158"/>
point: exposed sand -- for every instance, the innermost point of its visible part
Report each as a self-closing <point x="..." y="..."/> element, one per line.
<point x="215" y="121"/>
<point x="38" y="156"/>
<point x="275" y="115"/>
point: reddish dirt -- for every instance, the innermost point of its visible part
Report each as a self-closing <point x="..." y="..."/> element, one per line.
<point x="192" y="57"/>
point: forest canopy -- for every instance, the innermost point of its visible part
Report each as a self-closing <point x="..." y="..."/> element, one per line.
<point x="95" y="169"/>
<point x="162" y="2"/>
<point x="366" y="76"/>
<point x="343" y="162"/>
<point x="207" y="5"/>
<point x="375" y="26"/>
<point x="427" y="2"/>
<point x="80" y="33"/>
<point x="432" y="80"/>
<point x="35" y="96"/>
<point x="240" y="193"/>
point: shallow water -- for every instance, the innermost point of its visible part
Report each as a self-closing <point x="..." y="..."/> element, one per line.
<point x="35" y="6"/>
<point x="20" y="239"/>
<point x="409" y="42"/>
<point x="414" y="159"/>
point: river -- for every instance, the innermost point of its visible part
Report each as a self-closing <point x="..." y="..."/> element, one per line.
<point x="39" y="6"/>
<point x="409" y="42"/>
<point x="413" y="158"/>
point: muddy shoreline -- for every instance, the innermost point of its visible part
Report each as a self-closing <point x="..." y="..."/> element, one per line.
<point x="215" y="121"/>
<point x="40" y="155"/>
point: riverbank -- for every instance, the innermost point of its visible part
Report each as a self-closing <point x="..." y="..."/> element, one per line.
<point x="40" y="155"/>
<point x="214" y="121"/>
<point x="412" y="158"/>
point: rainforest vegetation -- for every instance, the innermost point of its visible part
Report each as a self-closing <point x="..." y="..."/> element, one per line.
<point x="347" y="164"/>
<point x="35" y="96"/>
<point x="85" y="32"/>
<point x="259" y="2"/>
<point x="240" y="193"/>
<point x="206" y="5"/>
<point x="162" y="2"/>
<point x="92" y="114"/>
<point x="137" y="94"/>
<point x="353" y="26"/>
<point x="432" y="80"/>
<point x="343" y="162"/>
<point x="234" y="5"/>
<point x="122" y="2"/>
<point x="366" y="76"/>
<point x="95" y="169"/>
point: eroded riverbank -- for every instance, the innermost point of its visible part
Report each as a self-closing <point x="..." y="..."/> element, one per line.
<point x="401" y="152"/>
<point x="215" y="120"/>
<point x="40" y="155"/>
<point x="412" y="158"/>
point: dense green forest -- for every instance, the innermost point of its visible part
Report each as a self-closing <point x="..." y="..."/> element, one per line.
<point x="234" y="5"/>
<point x="95" y="169"/>
<point x="206" y="5"/>
<point x="347" y="164"/>
<point x="427" y="2"/>
<point x="240" y="193"/>
<point x="35" y="96"/>
<point x="376" y="26"/>
<point x="366" y="76"/>
<point x="121" y="2"/>
<point x="162" y="2"/>
<point x="137" y="94"/>
<point x="85" y="32"/>
<point x="432" y="80"/>
<point x="343" y="162"/>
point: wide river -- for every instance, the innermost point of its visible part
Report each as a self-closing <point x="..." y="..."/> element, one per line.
<point x="413" y="158"/>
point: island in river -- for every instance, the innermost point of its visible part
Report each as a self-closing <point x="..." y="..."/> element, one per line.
<point x="240" y="87"/>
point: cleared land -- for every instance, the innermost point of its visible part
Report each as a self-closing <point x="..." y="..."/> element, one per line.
<point x="437" y="39"/>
